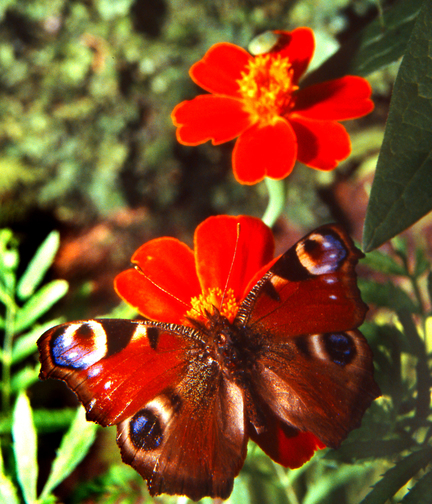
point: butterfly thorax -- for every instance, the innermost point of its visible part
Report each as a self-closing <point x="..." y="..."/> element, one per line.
<point x="233" y="348"/>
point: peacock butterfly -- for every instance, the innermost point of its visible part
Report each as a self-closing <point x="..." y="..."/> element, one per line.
<point x="287" y="367"/>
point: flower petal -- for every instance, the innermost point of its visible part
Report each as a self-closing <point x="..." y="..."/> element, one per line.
<point x="208" y="117"/>
<point x="321" y="144"/>
<point x="228" y="256"/>
<point x="297" y="45"/>
<point x="265" y="151"/>
<point x="285" y="445"/>
<point x="162" y="287"/>
<point x="335" y="100"/>
<point x="220" y="68"/>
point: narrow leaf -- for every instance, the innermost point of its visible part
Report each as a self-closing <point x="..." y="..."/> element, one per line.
<point x="383" y="263"/>
<point x="420" y="493"/>
<point x="38" y="266"/>
<point x="398" y="476"/>
<point x="25" y="448"/>
<point x="45" y="420"/>
<point x="380" y="43"/>
<point x="73" y="448"/>
<point x="402" y="190"/>
<point x="8" y="492"/>
<point x="40" y="303"/>
<point x="25" y="345"/>
<point x="24" y="378"/>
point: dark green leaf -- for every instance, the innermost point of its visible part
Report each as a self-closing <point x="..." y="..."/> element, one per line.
<point x="422" y="263"/>
<point x="381" y="42"/>
<point x="398" y="476"/>
<point x="373" y="449"/>
<point x="402" y="190"/>
<point x="383" y="263"/>
<point x="420" y="493"/>
<point x="386" y="295"/>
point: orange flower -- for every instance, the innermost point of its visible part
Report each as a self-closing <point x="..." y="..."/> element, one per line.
<point x="173" y="284"/>
<point x="258" y="100"/>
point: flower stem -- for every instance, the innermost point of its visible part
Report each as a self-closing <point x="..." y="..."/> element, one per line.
<point x="276" y="203"/>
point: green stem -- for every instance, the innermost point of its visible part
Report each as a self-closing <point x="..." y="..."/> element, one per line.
<point x="276" y="203"/>
<point x="7" y="355"/>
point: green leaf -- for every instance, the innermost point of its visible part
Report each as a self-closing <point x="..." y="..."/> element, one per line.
<point x="350" y="452"/>
<point x="25" y="448"/>
<point x="380" y="43"/>
<point x="40" y="303"/>
<point x="402" y="190"/>
<point x="38" y="266"/>
<point x="420" y="493"/>
<point x="24" y="378"/>
<point x="398" y="476"/>
<point x="73" y="448"/>
<point x="25" y="345"/>
<point x="386" y="295"/>
<point x="8" y="492"/>
<point x="383" y="263"/>
<point x="45" y="420"/>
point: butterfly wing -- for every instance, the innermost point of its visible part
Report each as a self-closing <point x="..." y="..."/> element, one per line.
<point x="181" y="424"/>
<point x="110" y="364"/>
<point x="315" y="370"/>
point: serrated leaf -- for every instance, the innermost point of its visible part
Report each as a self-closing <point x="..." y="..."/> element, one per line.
<point x="40" y="303"/>
<point x="402" y="190"/>
<point x="25" y="448"/>
<point x="420" y="493"/>
<point x="38" y="266"/>
<point x="25" y="345"/>
<point x="73" y="448"/>
<point x="398" y="476"/>
<point x="380" y="43"/>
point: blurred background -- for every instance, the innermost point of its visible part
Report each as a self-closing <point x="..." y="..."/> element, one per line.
<point x="88" y="146"/>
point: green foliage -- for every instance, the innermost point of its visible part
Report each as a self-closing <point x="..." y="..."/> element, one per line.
<point x="17" y="348"/>
<point x="402" y="189"/>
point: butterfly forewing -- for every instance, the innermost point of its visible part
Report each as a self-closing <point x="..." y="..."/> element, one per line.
<point x="110" y="364"/>
<point x="316" y="371"/>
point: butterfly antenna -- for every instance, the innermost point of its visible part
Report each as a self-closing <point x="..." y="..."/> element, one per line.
<point x="232" y="265"/>
<point x="161" y="288"/>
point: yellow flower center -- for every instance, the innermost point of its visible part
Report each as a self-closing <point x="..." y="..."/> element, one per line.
<point x="267" y="88"/>
<point x="205" y="305"/>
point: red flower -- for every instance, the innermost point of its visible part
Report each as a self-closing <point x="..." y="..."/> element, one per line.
<point x="174" y="283"/>
<point x="258" y="100"/>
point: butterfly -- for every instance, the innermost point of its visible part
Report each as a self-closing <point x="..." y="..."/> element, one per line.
<point x="290" y="365"/>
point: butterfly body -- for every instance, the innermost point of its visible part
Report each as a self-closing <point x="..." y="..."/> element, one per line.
<point x="187" y="397"/>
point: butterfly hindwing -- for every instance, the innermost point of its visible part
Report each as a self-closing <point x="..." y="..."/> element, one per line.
<point x="189" y="440"/>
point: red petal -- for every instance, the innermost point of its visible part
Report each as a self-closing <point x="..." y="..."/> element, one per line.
<point x="265" y="151"/>
<point x="220" y="68"/>
<point x="337" y="100"/>
<point x="299" y="47"/>
<point x="215" y="248"/>
<point x="167" y="283"/>
<point x="208" y="117"/>
<point x="285" y="445"/>
<point x="321" y="144"/>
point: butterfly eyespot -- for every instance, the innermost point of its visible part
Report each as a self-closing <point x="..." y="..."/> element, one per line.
<point x="321" y="254"/>
<point x="340" y="348"/>
<point x="145" y="430"/>
<point x="79" y="346"/>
